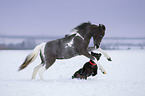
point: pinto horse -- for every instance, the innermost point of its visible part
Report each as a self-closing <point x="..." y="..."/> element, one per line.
<point x="67" y="47"/>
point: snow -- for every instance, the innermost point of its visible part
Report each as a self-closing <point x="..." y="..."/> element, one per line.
<point x="125" y="76"/>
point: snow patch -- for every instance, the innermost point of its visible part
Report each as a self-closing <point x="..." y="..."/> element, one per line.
<point x="125" y="76"/>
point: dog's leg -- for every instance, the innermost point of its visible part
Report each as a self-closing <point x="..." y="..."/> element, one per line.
<point x="41" y="71"/>
<point x="105" y="54"/>
<point x="35" y="71"/>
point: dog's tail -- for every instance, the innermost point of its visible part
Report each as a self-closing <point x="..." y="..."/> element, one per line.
<point x="32" y="56"/>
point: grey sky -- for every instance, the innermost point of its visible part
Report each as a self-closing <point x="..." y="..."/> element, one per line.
<point x="123" y="18"/>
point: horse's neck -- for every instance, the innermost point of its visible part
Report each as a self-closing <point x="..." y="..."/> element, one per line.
<point x="86" y="41"/>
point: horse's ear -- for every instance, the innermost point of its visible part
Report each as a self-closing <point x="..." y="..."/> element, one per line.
<point x="102" y="26"/>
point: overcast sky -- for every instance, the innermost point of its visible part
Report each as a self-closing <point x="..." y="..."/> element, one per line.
<point x="123" y="18"/>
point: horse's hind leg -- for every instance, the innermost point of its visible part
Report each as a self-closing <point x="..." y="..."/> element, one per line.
<point x="39" y="66"/>
<point x="41" y="70"/>
<point x="35" y="71"/>
<point x="44" y="67"/>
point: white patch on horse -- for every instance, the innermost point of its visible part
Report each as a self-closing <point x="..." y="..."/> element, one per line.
<point x="70" y="44"/>
<point x="42" y="49"/>
<point x="75" y="32"/>
<point x="41" y="71"/>
<point x="79" y="36"/>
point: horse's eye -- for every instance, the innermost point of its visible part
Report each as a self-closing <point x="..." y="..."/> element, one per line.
<point x="101" y="35"/>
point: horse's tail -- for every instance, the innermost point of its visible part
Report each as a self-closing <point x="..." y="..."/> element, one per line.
<point x="32" y="56"/>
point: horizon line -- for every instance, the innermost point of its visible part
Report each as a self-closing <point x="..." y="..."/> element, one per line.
<point x="52" y="37"/>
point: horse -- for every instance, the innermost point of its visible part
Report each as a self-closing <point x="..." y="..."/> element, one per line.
<point x="67" y="47"/>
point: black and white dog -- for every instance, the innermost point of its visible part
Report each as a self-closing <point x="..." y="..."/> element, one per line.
<point x="89" y="68"/>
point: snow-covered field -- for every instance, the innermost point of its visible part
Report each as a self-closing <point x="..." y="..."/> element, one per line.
<point x="125" y="76"/>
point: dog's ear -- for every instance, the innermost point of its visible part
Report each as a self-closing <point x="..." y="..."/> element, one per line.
<point x="98" y="57"/>
<point x="100" y="54"/>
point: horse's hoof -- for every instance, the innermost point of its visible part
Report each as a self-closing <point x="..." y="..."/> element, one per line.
<point x="109" y="59"/>
<point x="104" y="72"/>
<point x="73" y="77"/>
<point x="85" y="78"/>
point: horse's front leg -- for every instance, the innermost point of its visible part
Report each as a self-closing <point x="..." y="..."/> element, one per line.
<point x="87" y="54"/>
<point x="105" y="54"/>
<point x="101" y="68"/>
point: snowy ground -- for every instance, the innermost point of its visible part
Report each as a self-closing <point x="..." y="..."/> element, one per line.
<point x="125" y="76"/>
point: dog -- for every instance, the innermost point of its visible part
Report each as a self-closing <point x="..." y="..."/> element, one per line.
<point x="89" y="69"/>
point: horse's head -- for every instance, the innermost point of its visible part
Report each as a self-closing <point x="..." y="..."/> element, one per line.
<point x="98" y="33"/>
<point x="88" y="30"/>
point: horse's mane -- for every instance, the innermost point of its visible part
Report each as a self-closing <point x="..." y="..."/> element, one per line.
<point x="82" y="26"/>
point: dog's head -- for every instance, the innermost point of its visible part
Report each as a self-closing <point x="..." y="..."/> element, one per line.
<point x="96" y="55"/>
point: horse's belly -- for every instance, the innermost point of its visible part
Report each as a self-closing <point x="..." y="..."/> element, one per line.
<point x="59" y="50"/>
